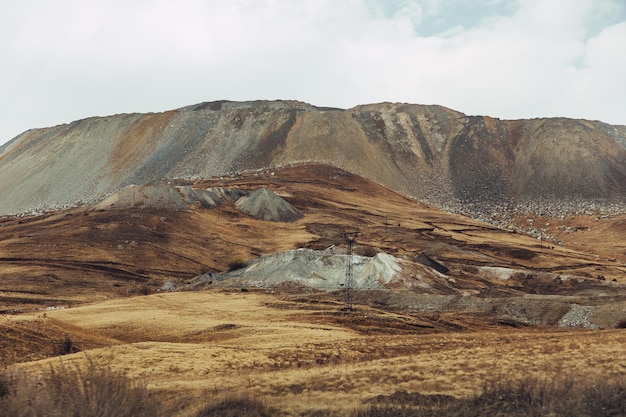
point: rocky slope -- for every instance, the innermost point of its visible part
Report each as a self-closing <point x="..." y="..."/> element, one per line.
<point x="474" y="164"/>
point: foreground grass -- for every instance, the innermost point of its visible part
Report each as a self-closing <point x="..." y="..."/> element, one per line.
<point x="73" y="391"/>
<point x="564" y="396"/>
<point x="95" y="391"/>
<point x="283" y="356"/>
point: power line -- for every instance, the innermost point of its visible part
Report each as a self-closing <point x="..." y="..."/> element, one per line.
<point x="350" y="238"/>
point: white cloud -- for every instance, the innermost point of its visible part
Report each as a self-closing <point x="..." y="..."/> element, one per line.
<point x="599" y="85"/>
<point x="69" y="59"/>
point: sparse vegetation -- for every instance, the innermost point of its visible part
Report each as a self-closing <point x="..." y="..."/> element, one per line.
<point x="66" y="390"/>
<point x="237" y="407"/>
<point x="138" y="289"/>
<point x="4" y="385"/>
<point x="296" y="353"/>
<point x="144" y="290"/>
<point x="368" y="251"/>
<point x="64" y="347"/>
<point x="568" y="395"/>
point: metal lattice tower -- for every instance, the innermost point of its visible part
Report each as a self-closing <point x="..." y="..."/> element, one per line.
<point x="349" y="276"/>
<point x="350" y="238"/>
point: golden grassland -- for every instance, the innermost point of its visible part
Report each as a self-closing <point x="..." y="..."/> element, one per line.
<point x="301" y="356"/>
<point x="298" y="350"/>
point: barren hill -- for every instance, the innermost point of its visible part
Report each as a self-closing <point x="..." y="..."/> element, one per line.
<point x="277" y="250"/>
<point x="474" y="164"/>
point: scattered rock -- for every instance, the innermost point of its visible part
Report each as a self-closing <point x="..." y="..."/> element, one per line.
<point x="578" y="316"/>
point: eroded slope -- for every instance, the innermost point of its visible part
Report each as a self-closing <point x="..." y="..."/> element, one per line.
<point x="478" y="165"/>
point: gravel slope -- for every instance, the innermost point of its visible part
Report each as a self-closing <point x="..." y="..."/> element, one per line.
<point x="474" y="164"/>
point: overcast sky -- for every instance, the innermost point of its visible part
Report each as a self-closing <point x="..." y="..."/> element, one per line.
<point x="65" y="60"/>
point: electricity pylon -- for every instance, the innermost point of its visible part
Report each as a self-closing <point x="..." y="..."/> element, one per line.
<point x="350" y="239"/>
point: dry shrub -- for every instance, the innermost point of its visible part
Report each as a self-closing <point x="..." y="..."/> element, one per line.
<point x="237" y="407"/>
<point x="74" y="391"/>
<point x="64" y="347"/>
<point x="137" y="289"/>
<point x="5" y="384"/>
<point x="368" y="251"/>
<point x="562" y="396"/>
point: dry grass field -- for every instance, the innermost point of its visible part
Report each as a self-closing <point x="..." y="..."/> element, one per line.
<point x="81" y="287"/>
<point x="301" y="356"/>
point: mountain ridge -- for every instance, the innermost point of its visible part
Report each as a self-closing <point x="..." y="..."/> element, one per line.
<point x="473" y="164"/>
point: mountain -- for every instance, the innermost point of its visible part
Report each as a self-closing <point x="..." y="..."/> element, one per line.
<point x="473" y="164"/>
<point x="229" y="201"/>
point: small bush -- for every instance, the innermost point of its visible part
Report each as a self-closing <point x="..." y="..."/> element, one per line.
<point x="237" y="407"/>
<point x="75" y="391"/>
<point x="368" y="251"/>
<point x="144" y="290"/>
<point x="139" y="289"/>
<point x="4" y="385"/>
<point x="64" y="347"/>
<point x="236" y="263"/>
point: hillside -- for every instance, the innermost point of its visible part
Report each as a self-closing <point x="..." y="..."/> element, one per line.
<point x="471" y="164"/>
<point x="316" y="261"/>
<point x="96" y="252"/>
